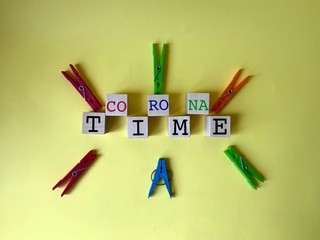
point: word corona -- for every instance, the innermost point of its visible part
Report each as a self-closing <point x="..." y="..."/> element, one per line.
<point x="158" y="105"/>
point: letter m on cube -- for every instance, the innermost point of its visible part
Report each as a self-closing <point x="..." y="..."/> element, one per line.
<point x="197" y="103"/>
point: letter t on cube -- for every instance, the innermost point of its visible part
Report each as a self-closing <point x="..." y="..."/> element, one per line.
<point x="93" y="123"/>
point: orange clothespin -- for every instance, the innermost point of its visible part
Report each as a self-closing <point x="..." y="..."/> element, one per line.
<point x="230" y="91"/>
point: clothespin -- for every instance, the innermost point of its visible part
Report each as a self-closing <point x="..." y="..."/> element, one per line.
<point x="76" y="172"/>
<point x="160" y="172"/>
<point x="243" y="167"/>
<point x="230" y="91"/>
<point x="82" y="88"/>
<point x="158" y="68"/>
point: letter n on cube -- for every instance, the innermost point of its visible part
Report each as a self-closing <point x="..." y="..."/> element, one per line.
<point x="197" y="103"/>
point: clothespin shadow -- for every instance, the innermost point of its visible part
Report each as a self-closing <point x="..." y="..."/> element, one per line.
<point x="85" y="77"/>
<point x="171" y="180"/>
<point x="155" y="186"/>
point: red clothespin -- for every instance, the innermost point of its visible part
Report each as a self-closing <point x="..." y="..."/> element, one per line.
<point x="230" y="91"/>
<point x="82" y="88"/>
<point x="76" y="172"/>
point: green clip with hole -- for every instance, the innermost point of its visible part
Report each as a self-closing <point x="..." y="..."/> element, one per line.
<point x="243" y="167"/>
<point x="158" y="68"/>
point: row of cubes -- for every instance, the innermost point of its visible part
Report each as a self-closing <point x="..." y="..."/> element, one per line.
<point x="158" y="105"/>
<point x="137" y="127"/>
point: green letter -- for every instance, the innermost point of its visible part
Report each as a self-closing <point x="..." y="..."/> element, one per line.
<point x="203" y="105"/>
<point x="193" y="105"/>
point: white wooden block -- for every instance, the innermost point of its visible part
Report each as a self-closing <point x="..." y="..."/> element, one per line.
<point x="117" y="105"/>
<point x="137" y="127"/>
<point x="179" y="126"/>
<point x="93" y="123"/>
<point x="218" y="126"/>
<point x="197" y="103"/>
<point x="158" y="105"/>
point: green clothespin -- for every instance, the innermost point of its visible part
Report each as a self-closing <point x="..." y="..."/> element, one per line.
<point x="158" y="68"/>
<point x="243" y="167"/>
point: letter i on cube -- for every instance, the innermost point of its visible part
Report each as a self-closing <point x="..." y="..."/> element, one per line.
<point x="117" y="105"/>
<point x="137" y="127"/>
<point x="158" y="105"/>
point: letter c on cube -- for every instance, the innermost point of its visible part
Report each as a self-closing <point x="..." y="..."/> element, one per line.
<point x="116" y="104"/>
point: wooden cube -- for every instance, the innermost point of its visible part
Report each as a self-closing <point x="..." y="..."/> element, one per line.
<point x="179" y="126"/>
<point x="218" y="126"/>
<point x="158" y="105"/>
<point x="197" y="103"/>
<point x="117" y="105"/>
<point x="137" y="127"/>
<point x="93" y="123"/>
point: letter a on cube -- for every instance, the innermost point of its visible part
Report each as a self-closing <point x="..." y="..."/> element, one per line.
<point x="117" y="105"/>
<point x="158" y="105"/>
<point x="218" y="126"/>
<point x="93" y="123"/>
<point x="137" y="127"/>
<point x="179" y="126"/>
<point x="197" y="103"/>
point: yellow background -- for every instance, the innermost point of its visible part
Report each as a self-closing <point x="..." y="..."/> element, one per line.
<point x="275" y="119"/>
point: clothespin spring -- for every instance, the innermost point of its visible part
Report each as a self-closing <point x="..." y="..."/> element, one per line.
<point x="242" y="165"/>
<point x="81" y="88"/>
<point x="158" y="72"/>
<point x="227" y="94"/>
<point x="169" y="173"/>
<point x="75" y="173"/>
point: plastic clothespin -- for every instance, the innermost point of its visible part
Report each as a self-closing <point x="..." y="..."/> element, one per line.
<point x="82" y="88"/>
<point x="158" y="68"/>
<point x="160" y="172"/>
<point x="230" y="91"/>
<point x="76" y="172"/>
<point x="243" y="167"/>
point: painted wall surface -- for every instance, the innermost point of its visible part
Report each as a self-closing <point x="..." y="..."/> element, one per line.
<point x="275" y="119"/>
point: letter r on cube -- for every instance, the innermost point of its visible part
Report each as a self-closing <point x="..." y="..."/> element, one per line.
<point x="158" y="105"/>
